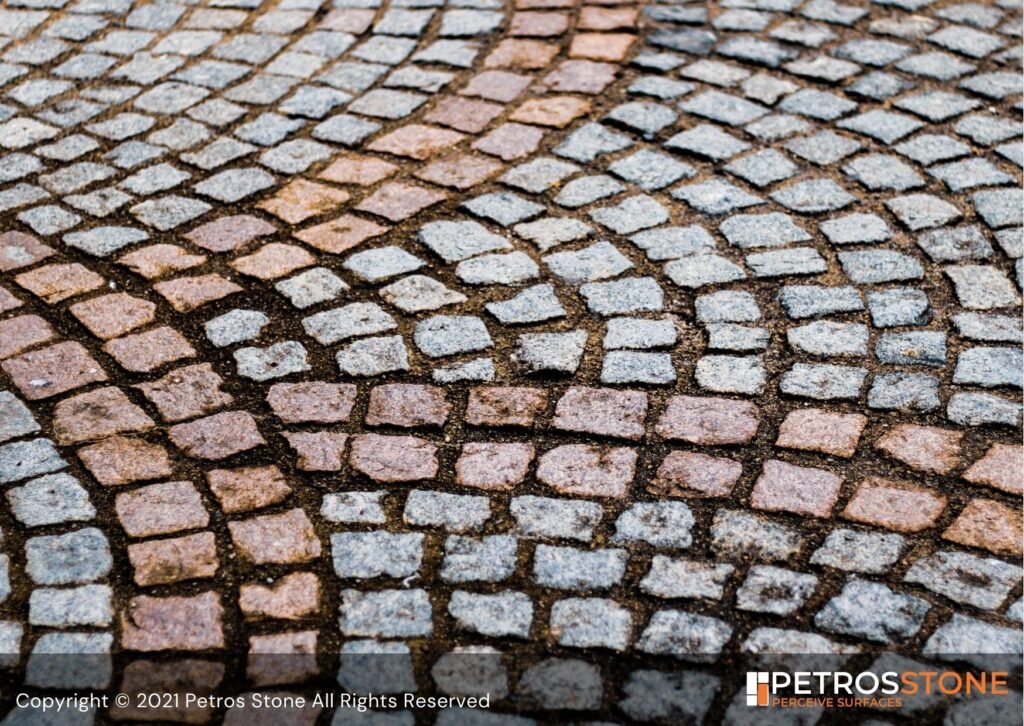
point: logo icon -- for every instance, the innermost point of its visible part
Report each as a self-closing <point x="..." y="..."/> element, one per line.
<point x="757" y="688"/>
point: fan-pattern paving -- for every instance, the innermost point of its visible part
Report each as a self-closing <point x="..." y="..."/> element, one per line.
<point x="678" y="330"/>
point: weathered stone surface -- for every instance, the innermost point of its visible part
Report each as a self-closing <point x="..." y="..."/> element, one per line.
<point x="493" y="466"/>
<point x="784" y="487"/>
<point x="173" y="623"/>
<point x="247" y="488"/>
<point x="292" y="597"/>
<point x="375" y="554"/>
<point x="79" y="556"/>
<point x="684" y="635"/>
<point x="505" y="406"/>
<point x="823" y="431"/>
<point x="1002" y="467"/>
<point x="452" y="512"/>
<point x="400" y="404"/>
<point x="900" y="506"/>
<point x="386" y="613"/>
<point x="988" y="524"/>
<point x="393" y="458"/>
<point x="187" y="392"/>
<point x="708" y="420"/>
<point x="52" y="371"/>
<point x="316" y="401"/>
<point x="173" y="560"/>
<point x="873" y="611"/>
<point x="923" y="448"/>
<point x="286" y="538"/>
<point x="692" y="474"/>
<point x="218" y="436"/>
<point x="588" y="470"/>
<point x="161" y="508"/>
<point x="602" y="412"/>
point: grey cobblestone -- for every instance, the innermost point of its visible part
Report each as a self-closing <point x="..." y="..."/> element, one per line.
<point x="565" y="568"/>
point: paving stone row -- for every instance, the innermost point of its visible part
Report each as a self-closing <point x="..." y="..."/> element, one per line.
<point x="682" y="330"/>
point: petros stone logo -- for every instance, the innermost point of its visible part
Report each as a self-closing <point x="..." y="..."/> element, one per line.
<point x="757" y="688"/>
<point x="867" y="689"/>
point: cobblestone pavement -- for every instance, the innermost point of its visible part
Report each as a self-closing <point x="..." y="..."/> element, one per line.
<point x="684" y="331"/>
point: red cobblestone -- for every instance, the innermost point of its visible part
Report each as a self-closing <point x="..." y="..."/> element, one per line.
<point x="1002" y="467"/>
<point x="54" y="370"/>
<point x="602" y="411"/>
<point x="349" y="20"/>
<point x="493" y="466"/>
<point x="813" y="429"/>
<point x="248" y="488"/>
<point x="557" y="111"/>
<point x="389" y="459"/>
<point x="120" y="460"/>
<point x="315" y="401"/>
<point x="143" y="352"/>
<point x="165" y="561"/>
<point x="500" y="86"/>
<point x="159" y="260"/>
<point x="23" y="332"/>
<point x="280" y="539"/>
<point x="8" y="301"/>
<point x="267" y="667"/>
<point x="112" y="315"/>
<point x="592" y="18"/>
<point x="273" y="261"/>
<point x="463" y="171"/>
<point x="341" y="234"/>
<point x="923" y="448"/>
<point x="589" y="471"/>
<point x="521" y="54"/>
<point x="18" y="249"/>
<point x="187" y="392"/>
<point x="709" y="421"/>
<point x="464" y="114"/>
<point x="510" y="141"/>
<point x="161" y="509"/>
<point x="292" y="597"/>
<point x="96" y="415"/>
<point x="188" y="293"/>
<point x="989" y="525"/>
<point x="601" y="46"/>
<point x="301" y="199"/>
<point x="358" y="169"/>
<point x="397" y="201"/>
<point x="229" y="233"/>
<point x="581" y="76"/>
<point x="505" y="406"/>
<point x="783" y="487"/>
<point x="317" y="450"/>
<point x="173" y="623"/>
<point x="218" y="436"/>
<point x="692" y="474"/>
<point x="416" y="141"/>
<point x="53" y="283"/>
<point x="538" y="25"/>
<point x="900" y="506"/>
<point x="408" y="405"/>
